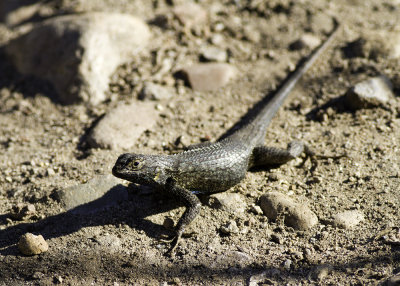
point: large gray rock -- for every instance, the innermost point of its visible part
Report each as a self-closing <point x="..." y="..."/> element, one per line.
<point x="101" y="191"/>
<point x="122" y="126"/>
<point x="376" y="44"/>
<point x="369" y="93"/>
<point x="78" y="53"/>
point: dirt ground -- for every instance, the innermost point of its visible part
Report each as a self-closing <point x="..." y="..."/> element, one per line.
<point x="41" y="151"/>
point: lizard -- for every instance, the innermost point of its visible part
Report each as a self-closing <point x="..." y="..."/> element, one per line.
<point x="217" y="166"/>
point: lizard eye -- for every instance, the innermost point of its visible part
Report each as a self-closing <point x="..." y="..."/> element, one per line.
<point x="136" y="165"/>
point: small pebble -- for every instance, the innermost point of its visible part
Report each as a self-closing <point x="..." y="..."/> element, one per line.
<point x="38" y="275"/>
<point x="298" y="216"/>
<point x="231" y="202"/>
<point x="217" y="39"/>
<point x="256" y="209"/>
<point x="190" y="14"/>
<point x="154" y="91"/>
<point x="214" y="54"/>
<point x="229" y="228"/>
<point x="306" y="41"/>
<point x="22" y="211"/>
<point x="321" y="22"/>
<point x="276" y="238"/>
<point x="273" y="177"/>
<point x="265" y="277"/>
<point x="320" y="272"/>
<point x="50" y="172"/>
<point x="168" y="223"/>
<point x="58" y="279"/>
<point x="209" y="76"/>
<point x="287" y="264"/>
<point x="30" y="244"/>
<point x="348" y="219"/>
<point x="394" y="280"/>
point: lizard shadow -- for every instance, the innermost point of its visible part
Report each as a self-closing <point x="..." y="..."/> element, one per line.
<point x="133" y="210"/>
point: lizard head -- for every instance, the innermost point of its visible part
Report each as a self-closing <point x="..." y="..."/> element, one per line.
<point x="140" y="169"/>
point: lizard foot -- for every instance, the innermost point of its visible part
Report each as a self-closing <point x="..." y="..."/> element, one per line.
<point x="174" y="243"/>
<point x="313" y="157"/>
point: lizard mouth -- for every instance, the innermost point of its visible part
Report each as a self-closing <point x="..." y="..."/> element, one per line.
<point x="120" y="172"/>
<point x="120" y="168"/>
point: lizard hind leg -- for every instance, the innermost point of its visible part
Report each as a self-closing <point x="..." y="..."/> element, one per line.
<point x="264" y="155"/>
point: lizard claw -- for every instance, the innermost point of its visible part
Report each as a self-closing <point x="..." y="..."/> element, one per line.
<point x="167" y="238"/>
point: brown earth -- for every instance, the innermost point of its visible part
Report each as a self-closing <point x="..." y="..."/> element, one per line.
<point x="41" y="151"/>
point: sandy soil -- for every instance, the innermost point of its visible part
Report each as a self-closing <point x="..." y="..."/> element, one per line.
<point x="41" y="151"/>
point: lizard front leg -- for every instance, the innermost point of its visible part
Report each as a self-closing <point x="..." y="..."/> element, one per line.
<point x="192" y="204"/>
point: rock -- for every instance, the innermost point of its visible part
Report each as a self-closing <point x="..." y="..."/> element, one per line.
<point x="394" y="280"/>
<point x="154" y="91"/>
<point x="348" y="219"/>
<point x="369" y="93"/>
<point x="230" y="259"/>
<point x="287" y="264"/>
<point x="217" y="39"/>
<point x="78" y="53"/>
<point x="251" y="34"/>
<point x="306" y="41"/>
<point x="256" y="209"/>
<point x="230" y="202"/>
<point x="214" y="54"/>
<point x="21" y="211"/>
<point x="30" y="244"/>
<point x="320" y="272"/>
<point x="209" y="76"/>
<point x="229" y="228"/>
<point x="109" y="242"/>
<point x="122" y="126"/>
<point x="169" y="223"/>
<point x="100" y="192"/>
<point x="321" y="22"/>
<point x="266" y="277"/>
<point x="13" y="12"/>
<point x="276" y="238"/>
<point x="296" y="215"/>
<point x="190" y="14"/>
<point x="375" y="44"/>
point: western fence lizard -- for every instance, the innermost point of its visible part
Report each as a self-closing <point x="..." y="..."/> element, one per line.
<point x="218" y="166"/>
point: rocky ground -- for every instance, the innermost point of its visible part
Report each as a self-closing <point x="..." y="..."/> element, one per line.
<point x="80" y="84"/>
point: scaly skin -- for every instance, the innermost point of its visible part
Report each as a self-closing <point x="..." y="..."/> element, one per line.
<point x="218" y="166"/>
